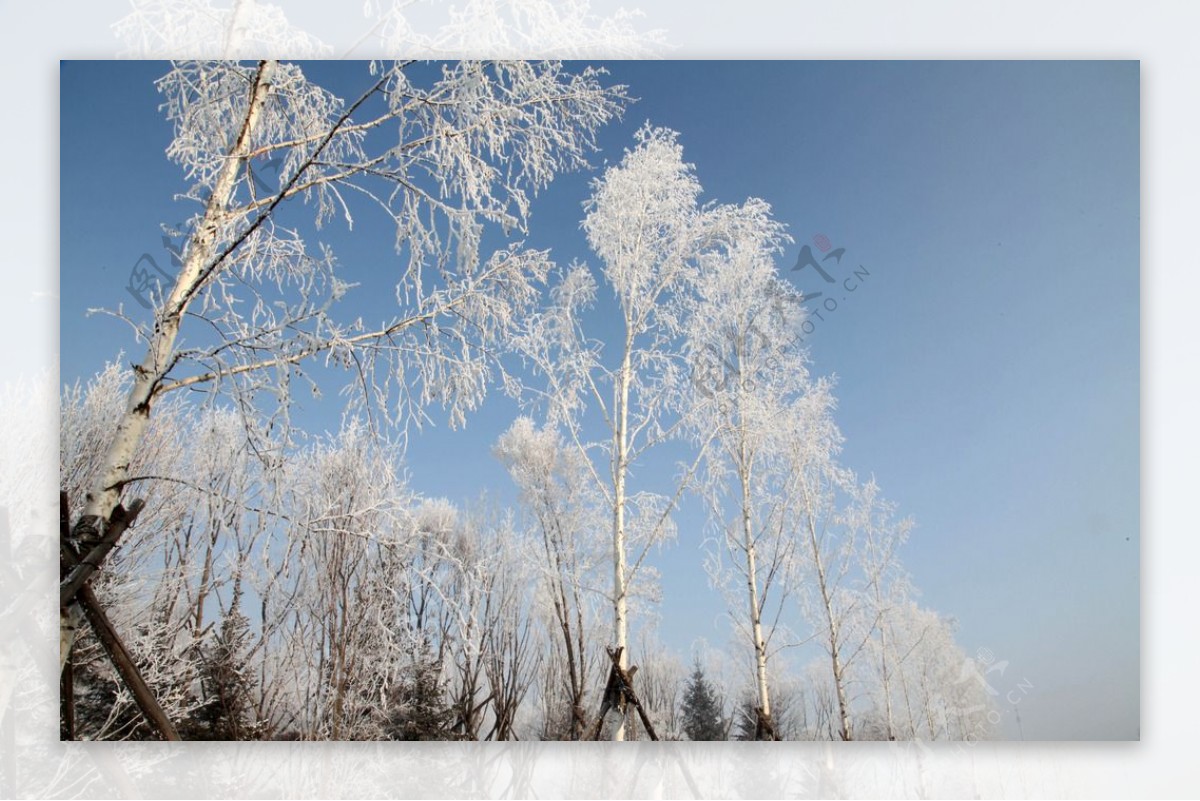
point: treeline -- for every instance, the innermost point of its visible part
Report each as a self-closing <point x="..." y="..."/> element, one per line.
<point x="316" y="597"/>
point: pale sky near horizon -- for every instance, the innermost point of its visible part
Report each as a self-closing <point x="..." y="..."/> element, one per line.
<point x="987" y="368"/>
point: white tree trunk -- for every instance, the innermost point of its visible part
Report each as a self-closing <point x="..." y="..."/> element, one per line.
<point x="760" y="646"/>
<point x="620" y="455"/>
<point x="885" y="675"/>
<point x="103" y="497"/>
<point x="839" y="682"/>
<point x="744" y="474"/>
<point x="835" y="640"/>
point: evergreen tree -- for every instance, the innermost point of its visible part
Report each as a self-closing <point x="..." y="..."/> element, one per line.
<point x="702" y="709"/>
<point x="417" y="708"/>
<point x="745" y="721"/>
<point x="225" y="711"/>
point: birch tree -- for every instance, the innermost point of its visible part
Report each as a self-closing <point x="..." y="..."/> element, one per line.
<point x="176" y="585"/>
<point x="817" y="490"/>
<point x="640" y="222"/>
<point x="886" y="587"/>
<point x="745" y="373"/>
<point x="103" y="707"/>
<point x="644" y="223"/>
<point x="444" y="163"/>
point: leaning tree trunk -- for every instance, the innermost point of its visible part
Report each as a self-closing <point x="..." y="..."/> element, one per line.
<point x="198" y="263"/>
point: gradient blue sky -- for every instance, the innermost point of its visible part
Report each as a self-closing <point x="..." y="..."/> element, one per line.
<point x="987" y="367"/>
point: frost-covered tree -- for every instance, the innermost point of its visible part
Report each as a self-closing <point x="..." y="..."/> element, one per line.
<point x="225" y="708"/>
<point x="511" y="646"/>
<point x="820" y="703"/>
<point x="515" y="28"/>
<point x="938" y="692"/>
<point x="347" y="510"/>
<point x="848" y="538"/>
<point x="645" y="225"/>
<point x="817" y="487"/>
<point x="445" y="159"/>
<point x="640" y="222"/>
<point x="488" y="644"/>
<point x="429" y="611"/>
<point x="661" y="678"/>
<point x="746" y="372"/>
<point x="878" y="535"/>
<point x="563" y="507"/>
<point x="417" y="708"/>
<point x="178" y="575"/>
<point x="255" y="613"/>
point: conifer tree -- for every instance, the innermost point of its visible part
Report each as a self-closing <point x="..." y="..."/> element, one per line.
<point x="702" y="709"/>
<point x="419" y="710"/>
<point x="225" y="712"/>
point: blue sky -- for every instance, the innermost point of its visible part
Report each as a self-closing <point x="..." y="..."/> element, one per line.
<point x="987" y="366"/>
